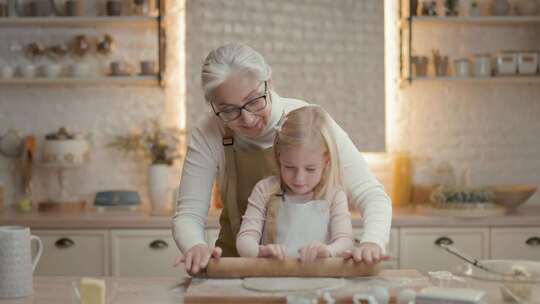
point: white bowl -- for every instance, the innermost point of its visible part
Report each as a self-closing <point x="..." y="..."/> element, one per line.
<point x="510" y="287"/>
<point x="512" y="196"/>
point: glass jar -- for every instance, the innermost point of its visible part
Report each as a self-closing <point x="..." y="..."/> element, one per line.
<point x="141" y="7"/>
<point x="401" y="179"/>
<point x="462" y="67"/>
<point x="482" y="65"/>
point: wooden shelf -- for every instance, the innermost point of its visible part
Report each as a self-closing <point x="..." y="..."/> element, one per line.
<point x="82" y="21"/>
<point x="110" y="80"/>
<point x="494" y="79"/>
<point x="480" y="20"/>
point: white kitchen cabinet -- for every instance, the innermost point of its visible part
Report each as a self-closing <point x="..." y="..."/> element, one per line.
<point x="73" y="252"/>
<point x="515" y="243"/>
<point x="392" y="249"/>
<point x="418" y="249"/>
<point x="144" y="252"/>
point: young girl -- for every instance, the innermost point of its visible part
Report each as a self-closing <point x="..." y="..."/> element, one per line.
<point x="303" y="211"/>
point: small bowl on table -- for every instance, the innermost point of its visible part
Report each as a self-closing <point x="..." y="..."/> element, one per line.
<point x="512" y="196"/>
<point x="520" y="282"/>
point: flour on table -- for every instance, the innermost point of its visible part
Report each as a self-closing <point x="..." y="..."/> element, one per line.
<point x="291" y="284"/>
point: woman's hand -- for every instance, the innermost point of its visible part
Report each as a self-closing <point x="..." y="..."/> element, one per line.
<point x="312" y="251"/>
<point x="197" y="257"/>
<point x="367" y="252"/>
<point x="273" y="251"/>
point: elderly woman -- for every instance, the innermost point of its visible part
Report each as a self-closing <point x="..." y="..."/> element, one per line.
<point x="233" y="143"/>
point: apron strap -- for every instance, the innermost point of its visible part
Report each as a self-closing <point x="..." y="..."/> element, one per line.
<point x="269" y="230"/>
<point x="231" y="182"/>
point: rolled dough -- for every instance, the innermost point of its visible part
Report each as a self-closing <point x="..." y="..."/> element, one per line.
<point x="278" y="284"/>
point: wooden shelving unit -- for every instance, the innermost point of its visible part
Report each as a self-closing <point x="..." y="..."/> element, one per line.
<point x="479" y="20"/>
<point x="79" y="21"/>
<point x="157" y="22"/>
<point x="499" y="79"/>
<point x="106" y="80"/>
<point x="407" y="24"/>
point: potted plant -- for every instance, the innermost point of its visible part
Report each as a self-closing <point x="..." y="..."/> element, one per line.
<point x="161" y="146"/>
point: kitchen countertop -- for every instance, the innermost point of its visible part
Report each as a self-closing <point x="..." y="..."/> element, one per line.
<point x="139" y="290"/>
<point x="528" y="215"/>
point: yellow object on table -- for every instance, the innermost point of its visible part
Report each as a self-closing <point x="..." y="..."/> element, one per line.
<point x="92" y="291"/>
<point x="401" y="179"/>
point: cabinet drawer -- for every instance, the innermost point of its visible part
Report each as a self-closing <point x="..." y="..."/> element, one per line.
<point x="392" y="248"/>
<point x="73" y="253"/>
<point x="144" y="253"/>
<point x="418" y="249"/>
<point x="515" y="243"/>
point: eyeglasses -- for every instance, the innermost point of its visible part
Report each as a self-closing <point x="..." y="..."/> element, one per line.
<point x="254" y="105"/>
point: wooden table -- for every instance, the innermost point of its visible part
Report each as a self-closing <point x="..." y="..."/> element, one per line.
<point x="140" y="290"/>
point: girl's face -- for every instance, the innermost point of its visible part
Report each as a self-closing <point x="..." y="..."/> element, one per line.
<point x="238" y="90"/>
<point x="302" y="167"/>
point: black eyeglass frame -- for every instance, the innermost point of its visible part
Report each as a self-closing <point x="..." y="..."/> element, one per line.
<point x="244" y="107"/>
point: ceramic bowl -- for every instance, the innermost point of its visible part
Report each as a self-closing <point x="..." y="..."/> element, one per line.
<point x="523" y="288"/>
<point x="512" y="196"/>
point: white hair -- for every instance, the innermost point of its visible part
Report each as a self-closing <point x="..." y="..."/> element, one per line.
<point x="233" y="57"/>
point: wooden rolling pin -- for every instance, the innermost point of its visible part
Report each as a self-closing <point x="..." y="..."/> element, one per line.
<point x="262" y="267"/>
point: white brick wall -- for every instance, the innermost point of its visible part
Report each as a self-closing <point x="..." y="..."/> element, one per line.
<point x="326" y="52"/>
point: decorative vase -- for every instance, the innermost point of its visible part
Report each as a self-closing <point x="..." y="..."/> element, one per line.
<point x="159" y="189"/>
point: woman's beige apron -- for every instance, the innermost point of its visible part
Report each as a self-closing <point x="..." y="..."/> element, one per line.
<point x="242" y="171"/>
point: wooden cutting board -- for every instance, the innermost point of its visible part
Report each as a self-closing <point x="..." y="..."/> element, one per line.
<point x="231" y="290"/>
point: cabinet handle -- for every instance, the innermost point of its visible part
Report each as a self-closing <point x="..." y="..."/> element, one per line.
<point x="443" y="240"/>
<point x="64" y="243"/>
<point x="533" y="241"/>
<point x="159" y="244"/>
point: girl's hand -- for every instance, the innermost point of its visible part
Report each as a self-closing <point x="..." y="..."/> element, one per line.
<point x="312" y="251"/>
<point x="197" y="257"/>
<point x="273" y="251"/>
<point x="367" y="252"/>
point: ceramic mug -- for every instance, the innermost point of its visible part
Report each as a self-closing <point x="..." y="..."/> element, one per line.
<point x="6" y="72"/>
<point x="16" y="263"/>
<point x="114" y="8"/>
<point x="148" y="67"/>
<point x="462" y="67"/>
<point x="41" y="8"/>
<point x="53" y="70"/>
<point x="420" y="66"/>
<point x="74" y="8"/>
<point x="28" y="70"/>
<point x="4" y="10"/>
<point x="119" y="68"/>
<point x="80" y="69"/>
<point x="482" y="66"/>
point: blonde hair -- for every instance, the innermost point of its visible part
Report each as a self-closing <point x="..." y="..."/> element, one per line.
<point x="310" y="126"/>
